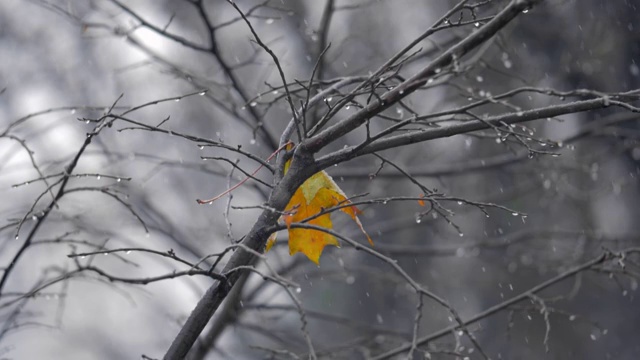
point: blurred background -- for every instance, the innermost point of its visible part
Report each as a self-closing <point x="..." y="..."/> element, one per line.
<point x="63" y="62"/>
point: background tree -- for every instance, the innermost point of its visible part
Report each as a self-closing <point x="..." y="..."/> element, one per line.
<point x="515" y="238"/>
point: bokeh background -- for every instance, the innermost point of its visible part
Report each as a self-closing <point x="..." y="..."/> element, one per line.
<point x="71" y="60"/>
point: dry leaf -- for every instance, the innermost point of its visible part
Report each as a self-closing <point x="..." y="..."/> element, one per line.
<point x="271" y="241"/>
<point x="316" y="194"/>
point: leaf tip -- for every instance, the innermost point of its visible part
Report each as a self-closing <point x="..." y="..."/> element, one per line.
<point x="370" y="241"/>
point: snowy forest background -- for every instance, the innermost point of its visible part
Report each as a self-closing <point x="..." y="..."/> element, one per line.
<point x="64" y="63"/>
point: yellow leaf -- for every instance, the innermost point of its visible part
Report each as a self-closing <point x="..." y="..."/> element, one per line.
<point x="288" y="219"/>
<point x="271" y="241"/>
<point x="338" y="197"/>
<point x="316" y="194"/>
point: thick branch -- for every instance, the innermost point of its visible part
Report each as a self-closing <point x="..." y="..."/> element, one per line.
<point x="302" y="167"/>
<point x="449" y="57"/>
<point x="466" y="127"/>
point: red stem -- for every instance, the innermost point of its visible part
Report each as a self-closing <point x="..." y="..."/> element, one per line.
<point x="201" y="202"/>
